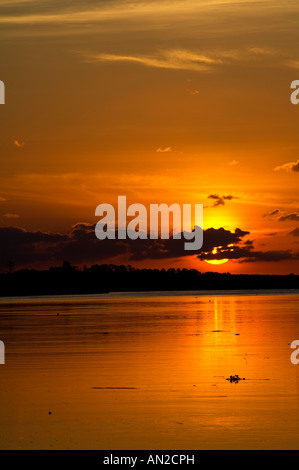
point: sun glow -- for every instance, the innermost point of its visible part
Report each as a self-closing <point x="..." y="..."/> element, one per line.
<point x="216" y="261"/>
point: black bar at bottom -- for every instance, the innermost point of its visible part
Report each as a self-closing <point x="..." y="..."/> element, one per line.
<point x="123" y="459"/>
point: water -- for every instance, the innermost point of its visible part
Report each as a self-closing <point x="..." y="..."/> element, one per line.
<point x="148" y="371"/>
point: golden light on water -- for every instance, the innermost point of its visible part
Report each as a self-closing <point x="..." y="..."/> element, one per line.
<point x="166" y="358"/>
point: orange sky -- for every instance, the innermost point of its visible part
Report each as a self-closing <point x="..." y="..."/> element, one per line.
<point x="161" y="101"/>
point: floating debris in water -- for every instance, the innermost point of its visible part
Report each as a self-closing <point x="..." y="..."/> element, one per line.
<point x="234" y="378"/>
<point x="114" y="388"/>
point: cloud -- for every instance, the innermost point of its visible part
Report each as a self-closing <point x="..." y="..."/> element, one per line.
<point x="273" y="256"/>
<point x="11" y="216"/>
<point x="260" y="51"/>
<point x="220" y="200"/>
<point x="283" y="216"/>
<point x="214" y="238"/>
<point x="246" y="254"/>
<point x="19" y="144"/>
<point x="173" y="59"/>
<point x="2" y="199"/>
<point x="83" y="246"/>
<point x="80" y="246"/>
<point x="271" y="214"/>
<point x="295" y="232"/>
<point x="293" y="64"/>
<point x="28" y="248"/>
<point x="61" y="11"/>
<point x="293" y="217"/>
<point x="234" y="163"/>
<point x="16" y="236"/>
<point x="289" y="167"/>
<point x="198" y="18"/>
<point x="165" y="150"/>
<point x="182" y="59"/>
<point x="166" y="249"/>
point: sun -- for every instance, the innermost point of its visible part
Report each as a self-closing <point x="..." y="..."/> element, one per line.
<point x="216" y="261"/>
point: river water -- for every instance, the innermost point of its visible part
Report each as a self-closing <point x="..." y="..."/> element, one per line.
<point x="148" y="371"/>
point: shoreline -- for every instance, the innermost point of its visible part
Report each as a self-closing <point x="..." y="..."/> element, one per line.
<point x="150" y="295"/>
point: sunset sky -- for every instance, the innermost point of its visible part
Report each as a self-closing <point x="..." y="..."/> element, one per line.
<point x="164" y="102"/>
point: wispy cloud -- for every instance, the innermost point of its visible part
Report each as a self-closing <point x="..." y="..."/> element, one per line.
<point x="11" y="216"/>
<point x="62" y="17"/>
<point x="175" y="59"/>
<point x="184" y="59"/>
<point x="289" y="167"/>
<point x="80" y="12"/>
<point x="165" y="150"/>
<point x="105" y="10"/>
<point x="293" y="64"/>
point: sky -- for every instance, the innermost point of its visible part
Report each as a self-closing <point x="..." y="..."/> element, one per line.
<point x="164" y="102"/>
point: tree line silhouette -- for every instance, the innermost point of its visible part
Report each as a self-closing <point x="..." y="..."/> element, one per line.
<point x="68" y="279"/>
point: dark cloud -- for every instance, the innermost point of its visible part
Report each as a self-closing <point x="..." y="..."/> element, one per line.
<point x="13" y="236"/>
<point x="295" y="232"/>
<point x="283" y="217"/>
<point x="28" y="247"/>
<point x="246" y="254"/>
<point x="220" y="200"/>
<point x="270" y="256"/>
<point x="163" y="249"/>
<point x="80" y="246"/>
<point x="293" y="217"/>
<point x="159" y="249"/>
<point x="221" y="238"/>
<point x="271" y="214"/>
